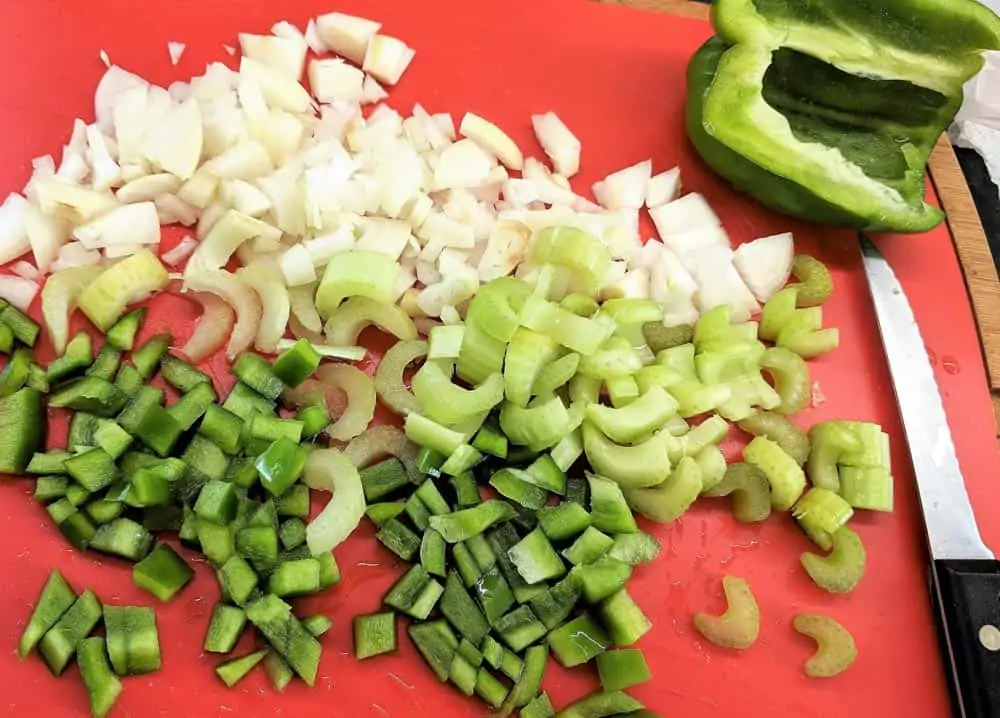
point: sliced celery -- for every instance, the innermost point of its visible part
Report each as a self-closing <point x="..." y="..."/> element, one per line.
<point x="615" y="358"/>
<point x="633" y="311"/>
<point x="537" y="427"/>
<point x="660" y="337"/>
<point x="739" y="626"/>
<point x="790" y="374"/>
<point x="480" y="355"/>
<point x="783" y="432"/>
<point x="573" y="248"/>
<point x="584" y="390"/>
<point x="810" y="344"/>
<point x="835" y="651"/>
<point x="785" y="476"/>
<point x="389" y="384"/>
<point x="669" y="500"/>
<point x="821" y="512"/>
<point x="816" y="284"/>
<point x="352" y="317"/>
<point x="574" y="332"/>
<point x="427" y="433"/>
<point x="710" y="432"/>
<point x="843" y="568"/>
<point x="447" y="403"/>
<point x="360" y="391"/>
<point x="622" y="390"/>
<point x="568" y="450"/>
<point x="128" y="281"/>
<point x="657" y="375"/>
<point x="868" y="487"/>
<point x="750" y="491"/>
<point x="642" y="464"/>
<point x="777" y="312"/>
<point x="694" y="398"/>
<point x="580" y="304"/>
<point x="355" y="273"/>
<point x="828" y="442"/>
<point x="712" y="463"/>
<point x="496" y="305"/>
<point x="556" y="374"/>
<point x="527" y="353"/>
<point x="445" y="341"/>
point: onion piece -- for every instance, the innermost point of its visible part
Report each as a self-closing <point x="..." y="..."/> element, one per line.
<point x="46" y="234"/>
<point x="175" y="142"/>
<point x="494" y="140"/>
<point x="59" y="299"/>
<point x="688" y="213"/>
<point x="148" y="188"/>
<point x="372" y="91"/>
<point x="280" y="91"/>
<point x="313" y="39"/>
<point x="112" y="85"/>
<point x="74" y="254"/>
<point x="181" y="251"/>
<point x="329" y="470"/>
<point x="462" y="164"/>
<point x="54" y="194"/>
<point x="346" y="35"/>
<point x="285" y="54"/>
<point x="247" y="160"/>
<point x="360" y="390"/>
<point x="380" y="441"/>
<point x="175" y="50"/>
<point x="387" y="58"/>
<point x="297" y="266"/>
<point x="13" y="233"/>
<point x="624" y="189"/>
<point x="663" y="188"/>
<point x="765" y="264"/>
<point x="18" y="291"/>
<point x="26" y="270"/>
<point x="105" y="172"/>
<point x="389" y="382"/>
<point x="266" y="280"/>
<point x="333" y="80"/>
<point x="559" y="143"/>
<point x="240" y="297"/>
<point x="719" y="282"/>
<point x="136" y="223"/>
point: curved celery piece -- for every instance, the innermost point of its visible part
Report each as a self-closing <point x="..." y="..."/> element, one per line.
<point x="668" y="501"/>
<point x="584" y="390"/>
<point x="463" y="525"/>
<point x="134" y="278"/>
<point x="630" y="423"/>
<point x="749" y="489"/>
<point x="496" y="305"/>
<point x="556" y="374"/>
<point x="527" y="353"/>
<point x="537" y="427"/>
<point x="694" y="398"/>
<point x="639" y="465"/>
<point x="329" y="470"/>
<point x="729" y="362"/>
<point x="381" y="441"/>
<point x="708" y="433"/>
<point x="59" y="297"/>
<point x="356" y="314"/>
<point x="713" y="324"/>
<point x="660" y="337"/>
<point x="820" y="513"/>
<point x="431" y="435"/>
<point x="622" y="390"/>
<point x="739" y="626"/>
<point x="360" y="391"/>
<point x="712" y="463"/>
<point x="674" y="444"/>
<point x="786" y="478"/>
<point x="676" y="426"/>
<point x="356" y="273"/>
<point x="657" y="375"/>
<point x="835" y="651"/>
<point x="780" y="430"/>
<point x="790" y="375"/>
<point x="389" y="384"/>
<point x="828" y="442"/>
<point x="815" y="283"/>
<point x="580" y="304"/>
<point x="573" y="248"/>
<point x="568" y="450"/>
<point x="843" y="568"/>
<point x="632" y="310"/>
<point x="448" y="403"/>
<point x="268" y="282"/>
<point x="679" y="358"/>
<point x="574" y="332"/>
<point x="616" y="358"/>
<point x="777" y="312"/>
<point x="810" y="345"/>
<point x="480" y="355"/>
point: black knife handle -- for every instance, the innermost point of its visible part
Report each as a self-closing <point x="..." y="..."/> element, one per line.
<point x="966" y="594"/>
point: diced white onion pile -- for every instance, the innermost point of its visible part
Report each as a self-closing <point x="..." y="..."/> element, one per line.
<point x="286" y="179"/>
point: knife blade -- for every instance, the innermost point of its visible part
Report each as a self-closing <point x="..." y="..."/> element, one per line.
<point x="964" y="575"/>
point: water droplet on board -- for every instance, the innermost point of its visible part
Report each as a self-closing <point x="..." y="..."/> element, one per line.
<point x="950" y="364"/>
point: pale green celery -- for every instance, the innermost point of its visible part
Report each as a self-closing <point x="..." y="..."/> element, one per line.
<point x="360" y="391"/>
<point x="868" y="487"/>
<point x="674" y="444"/>
<point x="580" y="304"/>
<point x="104" y="300"/>
<point x="330" y="471"/>
<point x="574" y="332"/>
<point x="471" y="425"/>
<point x="694" y="398"/>
<point x="659" y="337"/>
<point x="713" y="324"/>
<point x="679" y="358"/>
<point x="820" y="513"/>
<point x="568" y="450"/>
<point x="643" y="416"/>
<point x="577" y="413"/>
<point x="431" y="435"/>
<point x="584" y="390"/>
<point x="573" y="248"/>
<point x="676" y="426"/>
<point x="873" y="449"/>
<point x="480" y="355"/>
<point x="747" y="392"/>
<point x="790" y="375"/>
<point x="786" y="478"/>
<point x="810" y="345"/>
<point x="356" y="314"/>
<point x="657" y="375"/>
<point x="738" y="335"/>
<point x="779" y="429"/>
<point x="640" y="465"/>
<point x="739" y="626"/>
<point x="447" y="403"/>
<point x="527" y="353"/>
<point x="622" y="390"/>
<point x="445" y="341"/>
<point x="672" y="497"/>
<point x="615" y="358"/>
<point x="537" y="427"/>
<point x="777" y="312"/>
<point x="553" y="282"/>
<point x="843" y="568"/>
<point x="463" y="459"/>
<point x="829" y="441"/>
<point x="556" y="374"/>
<point x="364" y="274"/>
<point x="816" y="284"/>
<point x="347" y="353"/>
<point x="633" y="311"/>
<point x="835" y="651"/>
<point x="727" y="363"/>
<point x="803" y="320"/>
<point x="389" y="384"/>
<point x="708" y="433"/>
<point x="712" y="463"/>
<point x="496" y="305"/>
<point x="749" y="489"/>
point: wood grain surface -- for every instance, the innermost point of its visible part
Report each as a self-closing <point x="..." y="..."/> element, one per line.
<point x="963" y="221"/>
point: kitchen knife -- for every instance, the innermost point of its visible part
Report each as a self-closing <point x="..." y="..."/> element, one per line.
<point x="964" y="575"/>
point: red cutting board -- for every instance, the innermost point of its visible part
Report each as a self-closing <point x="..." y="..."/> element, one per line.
<point x="617" y="78"/>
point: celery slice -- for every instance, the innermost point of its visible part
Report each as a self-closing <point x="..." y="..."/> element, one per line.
<point x="573" y="248"/>
<point x="496" y="305"/>
<point x="710" y="432"/>
<point x="657" y="375"/>
<point x="570" y="330"/>
<point x="568" y="450"/>
<point x="527" y="353"/>
<point x="584" y="390"/>
<point x="843" y="568"/>
<point x="352" y="317"/>
<point x="783" y="432"/>
<point x="130" y="280"/>
<point x="750" y="491"/>
<point x="810" y="344"/>
<point x="633" y="311"/>
<point x="580" y="304"/>
<point x="669" y="500"/>
<point x="815" y="283"/>
<point x="835" y="651"/>
<point x="556" y="374"/>
<point x="777" y="312"/>
<point x="694" y="398"/>
<point x="480" y="355"/>
<point x="739" y="626"/>
<point x="821" y="512"/>
<point x="615" y="359"/>
<point x="537" y="427"/>
<point x="59" y="298"/>
<point x="868" y="487"/>
<point x="360" y="391"/>
<point x="389" y="384"/>
<point x="790" y="374"/>
<point x="356" y="273"/>
<point x="445" y="341"/>
<point x="828" y="442"/>
<point x="712" y="463"/>
<point x="642" y="464"/>
<point x="785" y="476"/>
<point x="446" y="402"/>
<point x="427" y="433"/>
<point x="329" y="470"/>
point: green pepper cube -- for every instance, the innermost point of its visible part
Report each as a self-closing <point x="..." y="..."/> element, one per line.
<point x="22" y="429"/>
<point x="6" y="339"/>
<point x="314" y="419"/>
<point x="146" y="359"/>
<point x="163" y="573"/>
<point x="148" y="487"/>
<point x="122" y="334"/>
<point x="15" y="372"/>
<point x="296" y="364"/>
<point x="223" y="428"/>
<point x="294" y="502"/>
<point x="158" y="429"/>
<point x="281" y="465"/>
<point x="622" y="669"/>
<point x="224" y="628"/>
<point x="133" y="640"/>
<point x="217" y="502"/>
<point x="259" y="545"/>
<point x="374" y="634"/>
<point x="238" y="580"/>
<point x="112" y="438"/>
<point x="93" y="470"/>
<point x="258" y="374"/>
<point x="578" y="641"/>
<point x="295" y="578"/>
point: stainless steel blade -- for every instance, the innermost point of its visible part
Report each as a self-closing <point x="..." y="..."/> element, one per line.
<point x="951" y="524"/>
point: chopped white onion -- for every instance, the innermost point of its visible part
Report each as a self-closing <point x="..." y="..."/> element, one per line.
<point x="334" y="80"/>
<point x="682" y="215"/>
<point x="462" y="164"/>
<point x="313" y="39"/>
<point x="346" y="35"/>
<point x="765" y="264"/>
<point x="387" y="58"/>
<point x="297" y="266"/>
<point x="13" y="232"/>
<point x="126" y="224"/>
<point x="114" y="82"/>
<point x="372" y="91"/>
<point x="18" y="291"/>
<point x="388" y="236"/>
<point x="719" y="282"/>
<point x="46" y="234"/>
<point x="148" y="188"/>
<point x="181" y="251"/>
<point x="559" y="143"/>
<point x="624" y="189"/>
<point x="322" y="249"/>
<point x="173" y="210"/>
<point x="175" y="50"/>
<point x="285" y="54"/>
<point x="663" y="188"/>
<point x="248" y="160"/>
<point x="492" y="139"/>
<point x="26" y="270"/>
<point x="74" y="254"/>
<point x="280" y="90"/>
<point x="175" y="142"/>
